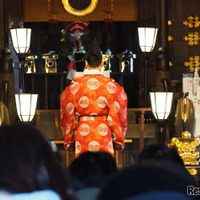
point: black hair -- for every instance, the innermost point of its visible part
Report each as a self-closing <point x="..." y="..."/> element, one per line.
<point x="94" y="60"/>
<point x="94" y="56"/>
<point x="91" y="169"/>
<point x="28" y="164"/>
<point x="146" y="177"/>
<point x="160" y="152"/>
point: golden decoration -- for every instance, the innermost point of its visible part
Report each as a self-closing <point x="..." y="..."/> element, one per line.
<point x="196" y="22"/>
<point x="189" y="38"/>
<point x="29" y="64"/>
<point x="196" y="38"/>
<point x="185" y="112"/>
<point x="170" y="63"/>
<point x="193" y="63"/>
<point x="50" y="62"/>
<point x="189" y="23"/>
<point x="192" y="22"/>
<point x="170" y="38"/>
<point x="4" y="114"/>
<point x="192" y="38"/>
<point x="169" y="22"/>
<point x="187" y="149"/>
<point x="106" y="59"/>
<point x="193" y="171"/>
<point x="76" y="12"/>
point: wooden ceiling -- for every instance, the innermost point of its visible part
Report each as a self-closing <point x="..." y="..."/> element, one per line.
<point x="37" y="11"/>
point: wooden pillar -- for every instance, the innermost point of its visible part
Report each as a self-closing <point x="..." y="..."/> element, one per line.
<point x="2" y="13"/>
<point x="163" y="23"/>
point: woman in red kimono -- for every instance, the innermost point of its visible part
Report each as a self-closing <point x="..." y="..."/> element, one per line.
<point x="93" y="110"/>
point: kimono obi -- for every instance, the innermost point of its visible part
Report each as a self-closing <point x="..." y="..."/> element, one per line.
<point x="93" y="118"/>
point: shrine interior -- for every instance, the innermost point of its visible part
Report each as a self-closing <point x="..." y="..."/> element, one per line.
<point x="171" y="67"/>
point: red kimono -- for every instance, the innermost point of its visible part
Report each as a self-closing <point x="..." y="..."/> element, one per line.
<point x="93" y="114"/>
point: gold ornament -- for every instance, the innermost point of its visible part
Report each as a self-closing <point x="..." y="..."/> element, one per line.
<point x="189" y="22"/>
<point x="170" y="63"/>
<point x="192" y="22"/>
<point x="82" y="12"/>
<point x="187" y="149"/>
<point x="170" y="38"/>
<point x="29" y="64"/>
<point x="192" y="38"/>
<point x="193" y="63"/>
<point x="4" y="114"/>
<point x="169" y="22"/>
<point x="50" y="62"/>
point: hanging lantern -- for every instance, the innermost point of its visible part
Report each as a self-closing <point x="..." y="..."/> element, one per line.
<point x="147" y="38"/>
<point x="21" y="38"/>
<point x="161" y="103"/>
<point x="25" y="103"/>
<point x="26" y="106"/>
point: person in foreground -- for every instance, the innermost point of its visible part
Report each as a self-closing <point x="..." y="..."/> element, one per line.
<point x="149" y="180"/>
<point x="93" y="110"/>
<point x="89" y="171"/>
<point x="159" y="153"/>
<point x="28" y="167"/>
